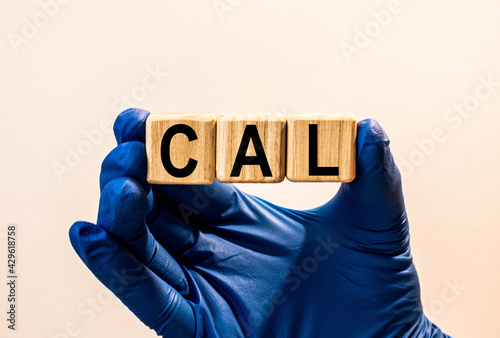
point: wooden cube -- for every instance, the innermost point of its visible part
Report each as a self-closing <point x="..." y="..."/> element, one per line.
<point x="180" y="148"/>
<point x="321" y="147"/>
<point x="251" y="147"/>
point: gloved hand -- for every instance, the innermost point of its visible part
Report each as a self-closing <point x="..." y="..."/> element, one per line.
<point x="212" y="261"/>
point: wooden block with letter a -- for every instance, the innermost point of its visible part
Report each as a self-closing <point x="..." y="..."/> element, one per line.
<point x="321" y="147"/>
<point x="251" y="147"/>
<point x="180" y="148"/>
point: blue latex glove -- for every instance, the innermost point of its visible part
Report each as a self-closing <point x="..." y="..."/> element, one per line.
<point x="212" y="261"/>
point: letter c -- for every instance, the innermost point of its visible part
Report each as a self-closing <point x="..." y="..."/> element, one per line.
<point x="165" y="150"/>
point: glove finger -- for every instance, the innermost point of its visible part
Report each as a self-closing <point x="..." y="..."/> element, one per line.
<point x="126" y="160"/>
<point x="205" y="203"/>
<point x="152" y="300"/>
<point x="130" y="125"/>
<point x="170" y="226"/>
<point x="373" y="202"/>
<point x="122" y="211"/>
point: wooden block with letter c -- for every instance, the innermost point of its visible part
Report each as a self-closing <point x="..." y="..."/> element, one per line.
<point x="180" y="148"/>
<point x="321" y="147"/>
<point x="251" y="147"/>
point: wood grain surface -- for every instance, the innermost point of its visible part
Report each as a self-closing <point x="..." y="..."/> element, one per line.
<point x="271" y="128"/>
<point x="336" y="146"/>
<point x="181" y="149"/>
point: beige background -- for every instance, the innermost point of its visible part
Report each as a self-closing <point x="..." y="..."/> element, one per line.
<point x="67" y="77"/>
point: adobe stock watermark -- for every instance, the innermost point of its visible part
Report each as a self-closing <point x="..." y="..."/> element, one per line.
<point x="93" y="137"/>
<point x="224" y="7"/>
<point x="453" y="119"/>
<point x="31" y="26"/>
<point x="299" y="273"/>
<point x="365" y="34"/>
<point x="448" y="295"/>
<point x="87" y="310"/>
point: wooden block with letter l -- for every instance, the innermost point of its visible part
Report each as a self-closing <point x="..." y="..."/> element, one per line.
<point x="251" y="147"/>
<point x="321" y="147"/>
<point x="180" y="148"/>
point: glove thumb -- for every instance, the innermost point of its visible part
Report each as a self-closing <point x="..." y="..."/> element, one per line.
<point x="373" y="202"/>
